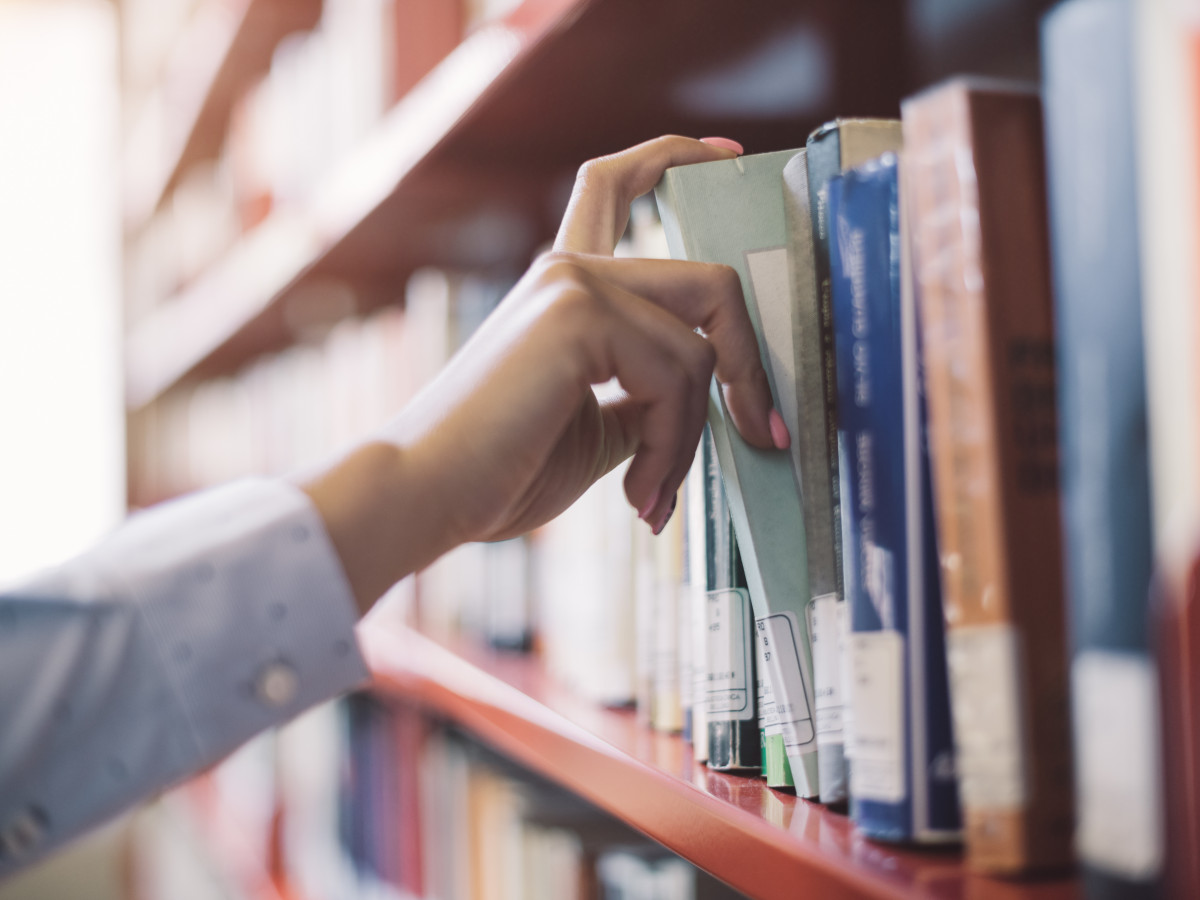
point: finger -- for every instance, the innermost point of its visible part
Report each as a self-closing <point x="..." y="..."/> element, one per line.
<point x="664" y="369"/>
<point x="709" y="297"/>
<point x="599" y="207"/>
<point x="694" y="358"/>
<point x="624" y="415"/>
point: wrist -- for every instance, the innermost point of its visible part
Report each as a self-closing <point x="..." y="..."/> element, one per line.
<point x="382" y="515"/>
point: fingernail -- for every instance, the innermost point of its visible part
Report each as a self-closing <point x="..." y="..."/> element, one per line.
<point x="648" y="506"/>
<point x="779" y="432"/>
<point x="724" y="144"/>
<point x="662" y="523"/>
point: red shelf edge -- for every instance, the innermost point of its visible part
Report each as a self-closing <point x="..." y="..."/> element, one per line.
<point x="738" y="846"/>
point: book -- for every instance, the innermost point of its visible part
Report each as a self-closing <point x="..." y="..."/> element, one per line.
<point x="733" y="738"/>
<point x="1175" y="629"/>
<point x="585" y="589"/>
<point x="1087" y="53"/>
<point x="667" y="562"/>
<point x="981" y="261"/>
<point x="423" y="32"/>
<point x="733" y="742"/>
<point x="902" y="784"/>
<point x="832" y="148"/>
<point x="696" y="545"/>
<point x="776" y="770"/>
<point x="1166" y="107"/>
<point x="731" y="212"/>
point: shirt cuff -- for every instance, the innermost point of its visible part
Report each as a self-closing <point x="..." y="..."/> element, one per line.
<point x="248" y="606"/>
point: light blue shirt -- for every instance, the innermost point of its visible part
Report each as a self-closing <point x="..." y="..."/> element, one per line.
<point x="192" y="628"/>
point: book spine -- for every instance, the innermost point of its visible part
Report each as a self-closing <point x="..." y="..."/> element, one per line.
<point x="829" y="150"/>
<point x="937" y="816"/>
<point x="815" y="442"/>
<point x="733" y="740"/>
<point x="822" y="165"/>
<point x="775" y="766"/>
<point x="668" y="575"/>
<point x="697" y="567"/>
<point x="1175" y="618"/>
<point x="506" y="577"/>
<point x="1167" y="134"/>
<point x="1087" y="52"/>
<point x="864" y="283"/>
<point x="980" y="258"/>
<point x="734" y="744"/>
<point x="787" y="650"/>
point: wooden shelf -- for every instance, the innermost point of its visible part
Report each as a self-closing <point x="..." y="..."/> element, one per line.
<point x="764" y="843"/>
<point x="225" y="46"/>
<point x="473" y="167"/>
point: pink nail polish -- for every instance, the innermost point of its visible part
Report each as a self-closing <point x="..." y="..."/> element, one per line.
<point x="779" y="432"/>
<point x="648" y="506"/>
<point x="662" y="523"/>
<point x="724" y="144"/>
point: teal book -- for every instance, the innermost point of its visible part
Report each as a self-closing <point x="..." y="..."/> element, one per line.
<point x="731" y="212"/>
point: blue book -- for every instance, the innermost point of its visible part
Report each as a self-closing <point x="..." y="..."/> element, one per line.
<point x="902" y="781"/>
<point x="1091" y="131"/>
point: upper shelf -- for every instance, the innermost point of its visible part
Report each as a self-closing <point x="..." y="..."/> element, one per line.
<point x="471" y="169"/>
<point x="225" y="45"/>
<point x="764" y="843"/>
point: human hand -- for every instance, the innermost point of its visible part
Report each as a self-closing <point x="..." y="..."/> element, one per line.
<point x="510" y="433"/>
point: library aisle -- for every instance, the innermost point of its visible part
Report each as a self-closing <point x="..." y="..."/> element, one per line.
<point x="313" y="206"/>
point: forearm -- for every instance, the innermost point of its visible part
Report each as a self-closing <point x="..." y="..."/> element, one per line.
<point x="383" y="514"/>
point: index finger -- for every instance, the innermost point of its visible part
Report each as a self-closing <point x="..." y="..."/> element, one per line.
<point x="599" y="207"/>
<point x="709" y="297"/>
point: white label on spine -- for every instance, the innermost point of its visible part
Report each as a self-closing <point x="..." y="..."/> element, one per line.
<point x="767" y="713"/>
<point x="985" y="694"/>
<point x="780" y="634"/>
<point x="877" y="673"/>
<point x="1120" y="800"/>
<point x="827" y="668"/>
<point x="843" y="633"/>
<point x="729" y="686"/>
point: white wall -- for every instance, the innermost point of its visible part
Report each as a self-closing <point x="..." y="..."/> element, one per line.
<point x="61" y="431"/>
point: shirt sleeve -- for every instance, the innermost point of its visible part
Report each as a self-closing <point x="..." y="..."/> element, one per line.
<point x="193" y="627"/>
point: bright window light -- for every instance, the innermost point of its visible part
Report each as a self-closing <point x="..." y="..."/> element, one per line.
<point x="61" y="432"/>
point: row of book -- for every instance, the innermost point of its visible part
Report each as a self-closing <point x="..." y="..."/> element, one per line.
<point x="324" y="93"/>
<point x="485" y="829"/>
<point x="880" y="615"/>
<point x="347" y="377"/>
<point x="964" y="329"/>
<point x="370" y="798"/>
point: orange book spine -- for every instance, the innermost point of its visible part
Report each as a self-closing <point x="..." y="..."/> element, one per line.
<point x="975" y="178"/>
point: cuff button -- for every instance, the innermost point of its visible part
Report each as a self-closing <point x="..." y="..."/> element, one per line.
<point x="23" y="833"/>
<point x="277" y="684"/>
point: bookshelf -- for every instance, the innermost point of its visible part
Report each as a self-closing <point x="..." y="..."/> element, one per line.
<point x="471" y="170"/>
<point x="222" y="47"/>
<point x="446" y="179"/>
<point x="764" y="843"/>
